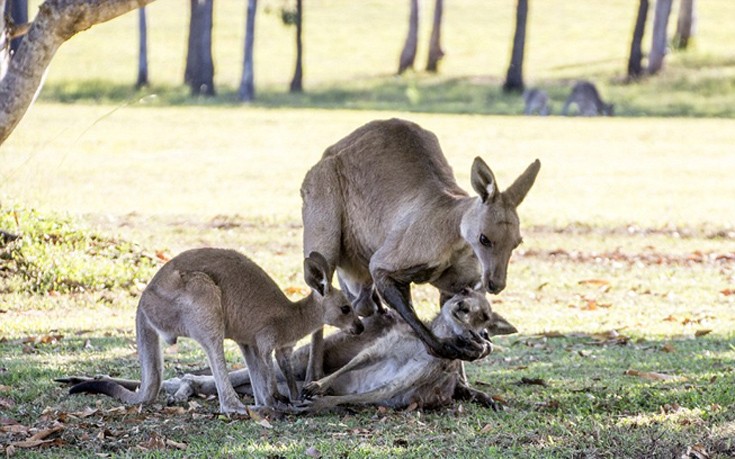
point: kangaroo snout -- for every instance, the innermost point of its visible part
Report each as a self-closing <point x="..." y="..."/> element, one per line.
<point x="357" y="327"/>
<point x="493" y="286"/>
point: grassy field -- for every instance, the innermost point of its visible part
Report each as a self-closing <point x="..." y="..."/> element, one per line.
<point x="623" y="291"/>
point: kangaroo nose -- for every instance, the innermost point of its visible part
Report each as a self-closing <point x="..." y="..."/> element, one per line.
<point x="357" y="328"/>
<point x="494" y="286"/>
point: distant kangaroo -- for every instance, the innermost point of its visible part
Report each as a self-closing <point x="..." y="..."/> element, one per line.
<point x="211" y="294"/>
<point x="397" y="370"/>
<point x="390" y="356"/>
<point x="585" y="96"/>
<point x="536" y="101"/>
<point x="384" y="209"/>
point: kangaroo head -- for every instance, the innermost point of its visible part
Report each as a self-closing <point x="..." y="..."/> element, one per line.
<point x="491" y="226"/>
<point x="338" y="311"/>
<point x="468" y="314"/>
<point x="608" y="109"/>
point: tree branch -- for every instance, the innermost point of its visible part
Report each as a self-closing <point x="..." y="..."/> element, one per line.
<point x="56" y="22"/>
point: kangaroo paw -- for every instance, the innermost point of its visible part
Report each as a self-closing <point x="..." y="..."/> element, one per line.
<point x="312" y="389"/>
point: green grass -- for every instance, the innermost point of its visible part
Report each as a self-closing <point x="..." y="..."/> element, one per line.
<point x="629" y="228"/>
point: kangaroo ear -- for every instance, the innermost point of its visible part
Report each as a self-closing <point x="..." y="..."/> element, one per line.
<point x="500" y="326"/>
<point x="483" y="180"/>
<point x="518" y="190"/>
<point x="316" y="274"/>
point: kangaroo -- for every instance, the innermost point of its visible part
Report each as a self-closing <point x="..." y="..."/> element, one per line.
<point x="342" y="347"/>
<point x="589" y="103"/>
<point x="536" y="102"/>
<point x="211" y="294"/>
<point x="397" y="370"/>
<point x="384" y="209"/>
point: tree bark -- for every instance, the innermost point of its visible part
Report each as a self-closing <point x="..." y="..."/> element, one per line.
<point x="296" y="82"/>
<point x="514" y="77"/>
<point x="4" y="41"/>
<point x="658" y="40"/>
<point x="199" y="73"/>
<point x="435" y="48"/>
<point x="247" y="84"/>
<point x="56" y="22"/>
<point x="142" y="49"/>
<point x="685" y="24"/>
<point x="635" y="66"/>
<point x="408" y="55"/>
<point x="18" y="10"/>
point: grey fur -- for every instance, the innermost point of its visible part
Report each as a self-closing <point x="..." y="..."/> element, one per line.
<point x="588" y="101"/>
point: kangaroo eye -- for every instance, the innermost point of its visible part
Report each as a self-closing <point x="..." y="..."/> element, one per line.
<point x="345" y="309"/>
<point x="462" y="307"/>
<point x="485" y="241"/>
<point x="485" y="335"/>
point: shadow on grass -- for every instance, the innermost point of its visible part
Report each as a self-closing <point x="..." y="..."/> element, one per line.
<point x="683" y="93"/>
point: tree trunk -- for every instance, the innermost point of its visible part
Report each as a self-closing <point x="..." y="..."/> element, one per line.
<point x="435" y="48"/>
<point x="18" y="10"/>
<point x="635" y="66"/>
<point x="247" y="84"/>
<point x="685" y="24"/>
<point x="514" y="77"/>
<point x="658" y="40"/>
<point x="142" y="49"/>
<point x="408" y="55"/>
<point x="56" y="22"/>
<point x="199" y="73"/>
<point x="296" y="83"/>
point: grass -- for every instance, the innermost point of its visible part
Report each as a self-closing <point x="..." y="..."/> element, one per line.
<point x="629" y="235"/>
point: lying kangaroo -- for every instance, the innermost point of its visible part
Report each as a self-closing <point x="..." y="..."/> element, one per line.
<point x="384" y="209"/>
<point x="465" y="313"/>
<point x="536" y="101"/>
<point x="589" y="103"/>
<point x="211" y="294"/>
<point x="397" y="370"/>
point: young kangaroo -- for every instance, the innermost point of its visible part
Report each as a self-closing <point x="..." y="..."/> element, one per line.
<point x="397" y="370"/>
<point x="211" y="294"/>
<point x="384" y="209"/>
<point x="536" y="101"/>
<point x="589" y="103"/>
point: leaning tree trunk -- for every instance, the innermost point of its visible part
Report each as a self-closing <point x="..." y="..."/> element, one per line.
<point x="296" y="82"/>
<point x="435" y="48"/>
<point x="56" y="22"/>
<point x="247" y="84"/>
<point x="18" y="10"/>
<point x="408" y="55"/>
<point x="199" y="73"/>
<point x="685" y="24"/>
<point x="514" y="77"/>
<point x="142" y="49"/>
<point x="635" y="66"/>
<point x="658" y="40"/>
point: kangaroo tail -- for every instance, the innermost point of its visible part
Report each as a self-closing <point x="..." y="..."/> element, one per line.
<point x="151" y="362"/>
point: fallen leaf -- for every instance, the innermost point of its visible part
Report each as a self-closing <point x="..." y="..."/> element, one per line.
<point x="295" y="290"/>
<point x="668" y="347"/>
<point x="699" y="333"/>
<point x="4" y="388"/>
<point x="161" y="255"/>
<point x="728" y="291"/>
<point x="85" y="413"/>
<point x="174" y="410"/>
<point x="533" y="381"/>
<point x="15" y="428"/>
<point x="412" y="407"/>
<point x="29" y="443"/>
<point x="176" y="444"/>
<point x="670" y="318"/>
<point x="486" y="428"/>
<point x="594" y="282"/>
<point x="650" y="375"/>
<point x="265" y="423"/>
<point x="6" y="403"/>
<point x="45" y="433"/>
<point x="697" y="451"/>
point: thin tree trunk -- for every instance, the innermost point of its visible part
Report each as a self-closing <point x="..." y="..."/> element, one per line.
<point x="18" y="10"/>
<point x="247" y="84"/>
<point x="635" y="66"/>
<point x="658" y="40"/>
<point x="296" y="82"/>
<point x="435" y="48"/>
<point x="199" y="73"/>
<point x="408" y="55"/>
<point x="56" y="22"/>
<point x="685" y="24"/>
<point x="514" y="77"/>
<point x="142" y="49"/>
<point x="4" y="41"/>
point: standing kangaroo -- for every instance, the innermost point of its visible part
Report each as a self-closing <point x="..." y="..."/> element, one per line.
<point x="384" y="209"/>
<point x="589" y="103"/>
<point x="397" y="370"/>
<point x="211" y="294"/>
